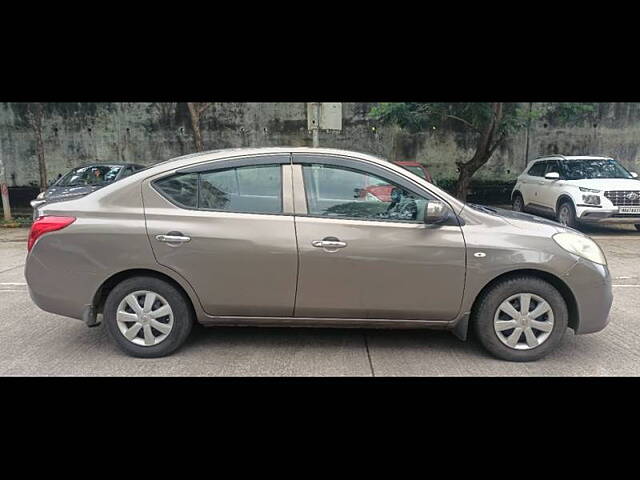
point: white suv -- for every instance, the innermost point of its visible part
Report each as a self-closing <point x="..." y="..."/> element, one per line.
<point x="574" y="189"/>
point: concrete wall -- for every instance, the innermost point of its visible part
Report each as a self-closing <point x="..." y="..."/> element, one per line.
<point x="76" y="134"/>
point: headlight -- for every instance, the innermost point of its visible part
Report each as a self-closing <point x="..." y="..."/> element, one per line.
<point x="580" y="245"/>
<point x="588" y="190"/>
<point x="591" y="199"/>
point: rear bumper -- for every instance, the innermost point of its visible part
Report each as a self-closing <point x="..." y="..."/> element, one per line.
<point x="591" y="287"/>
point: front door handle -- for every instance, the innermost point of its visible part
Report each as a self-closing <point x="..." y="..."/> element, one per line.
<point x="329" y="243"/>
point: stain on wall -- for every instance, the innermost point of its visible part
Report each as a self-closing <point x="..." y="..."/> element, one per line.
<point x="79" y="133"/>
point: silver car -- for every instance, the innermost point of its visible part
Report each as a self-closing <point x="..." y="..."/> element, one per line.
<point x="283" y="237"/>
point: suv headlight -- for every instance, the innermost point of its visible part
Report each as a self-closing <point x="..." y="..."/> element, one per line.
<point x="588" y="190"/>
<point x="591" y="199"/>
<point x="580" y="245"/>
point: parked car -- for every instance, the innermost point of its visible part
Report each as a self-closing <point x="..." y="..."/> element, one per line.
<point x="579" y="189"/>
<point x="275" y="237"/>
<point x="82" y="181"/>
<point x="383" y="192"/>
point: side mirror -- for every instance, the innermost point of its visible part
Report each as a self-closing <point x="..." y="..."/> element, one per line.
<point x="552" y="176"/>
<point x="634" y="174"/>
<point x="435" y="212"/>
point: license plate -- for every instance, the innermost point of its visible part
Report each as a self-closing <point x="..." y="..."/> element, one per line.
<point x="630" y="210"/>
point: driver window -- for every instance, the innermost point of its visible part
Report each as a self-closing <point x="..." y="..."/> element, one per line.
<point x="344" y="193"/>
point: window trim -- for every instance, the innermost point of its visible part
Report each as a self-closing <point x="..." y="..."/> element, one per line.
<point x="227" y="163"/>
<point x="221" y="167"/>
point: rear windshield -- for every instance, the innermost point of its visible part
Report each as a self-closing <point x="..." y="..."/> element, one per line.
<point x="96" y="175"/>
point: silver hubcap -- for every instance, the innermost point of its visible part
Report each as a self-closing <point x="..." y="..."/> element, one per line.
<point x="523" y="321"/>
<point x="144" y="318"/>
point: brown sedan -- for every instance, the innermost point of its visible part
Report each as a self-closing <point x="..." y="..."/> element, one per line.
<point x="281" y="237"/>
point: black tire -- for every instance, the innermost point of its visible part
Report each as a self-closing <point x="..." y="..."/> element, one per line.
<point x="180" y="305"/>
<point x="637" y="226"/>
<point x="483" y="318"/>
<point x="518" y="203"/>
<point x="571" y="221"/>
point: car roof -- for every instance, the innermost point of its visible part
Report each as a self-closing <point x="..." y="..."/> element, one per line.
<point x="572" y="157"/>
<point x="108" y="164"/>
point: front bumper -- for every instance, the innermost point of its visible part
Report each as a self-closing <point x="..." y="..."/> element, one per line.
<point x="606" y="216"/>
<point x="590" y="284"/>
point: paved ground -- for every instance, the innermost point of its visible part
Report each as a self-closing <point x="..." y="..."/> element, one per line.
<point x="33" y="342"/>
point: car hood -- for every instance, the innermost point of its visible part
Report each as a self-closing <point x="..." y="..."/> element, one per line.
<point x="60" y="193"/>
<point x="522" y="220"/>
<point x="607" y="183"/>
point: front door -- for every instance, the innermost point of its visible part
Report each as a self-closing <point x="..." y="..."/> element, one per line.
<point x="225" y="228"/>
<point x="368" y="256"/>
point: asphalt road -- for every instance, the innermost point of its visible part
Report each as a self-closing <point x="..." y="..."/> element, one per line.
<point x="36" y="343"/>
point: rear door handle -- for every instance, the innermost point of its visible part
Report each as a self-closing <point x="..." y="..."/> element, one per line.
<point x="328" y="244"/>
<point x="173" y="238"/>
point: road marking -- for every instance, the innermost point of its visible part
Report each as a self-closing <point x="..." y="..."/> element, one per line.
<point x="12" y="284"/>
<point x="628" y="286"/>
<point x="23" y="291"/>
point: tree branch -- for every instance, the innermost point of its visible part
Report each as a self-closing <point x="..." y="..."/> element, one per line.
<point x="468" y="124"/>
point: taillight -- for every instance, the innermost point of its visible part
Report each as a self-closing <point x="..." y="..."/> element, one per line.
<point x="45" y="225"/>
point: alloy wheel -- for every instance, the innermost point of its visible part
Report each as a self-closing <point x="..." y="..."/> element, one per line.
<point x="564" y="215"/>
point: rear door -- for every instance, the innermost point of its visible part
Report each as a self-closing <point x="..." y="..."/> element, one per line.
<point x="531" y="183"/>
<point x="367" y="258"/>
<point x="227" y="227"/>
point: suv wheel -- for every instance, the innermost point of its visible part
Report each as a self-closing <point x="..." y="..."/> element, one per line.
<point x="147" y="317"/>
<point x="521" y="319"/>
<point x="567" y="214"/>
<point x="518" y="203"/>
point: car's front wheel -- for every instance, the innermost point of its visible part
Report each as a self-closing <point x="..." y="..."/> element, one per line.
<point x="567" y="214"/>
<point x="521" y="318"/>
<point x="147" y="317"/>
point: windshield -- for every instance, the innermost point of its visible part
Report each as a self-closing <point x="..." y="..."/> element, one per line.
<point x="595" y="168"/>
<point x="417" y="170"/>
<point x="95" y="175"/>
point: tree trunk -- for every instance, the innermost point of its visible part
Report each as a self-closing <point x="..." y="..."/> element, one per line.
<point x="484" y="149"/>
<point x="35" y="117"/>
<point x="195" y="112"/>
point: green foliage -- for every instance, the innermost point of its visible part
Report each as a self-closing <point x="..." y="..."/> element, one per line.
<point x="417" y="117"/>
<point x="567" y="113"/>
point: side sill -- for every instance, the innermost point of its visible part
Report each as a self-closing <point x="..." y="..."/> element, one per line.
<point x="322" y="322"/>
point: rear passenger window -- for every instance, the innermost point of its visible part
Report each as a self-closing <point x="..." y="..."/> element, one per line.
<point x="538" y="169"/>
<point x="253" y="189"/>
<point x="180" y="189"/>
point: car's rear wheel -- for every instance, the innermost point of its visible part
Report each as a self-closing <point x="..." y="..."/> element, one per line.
<point x="521" y="319"/>
<point x="518" y="203"/>
<point x="147" y="317"/>
<point x="567" y="214"/>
